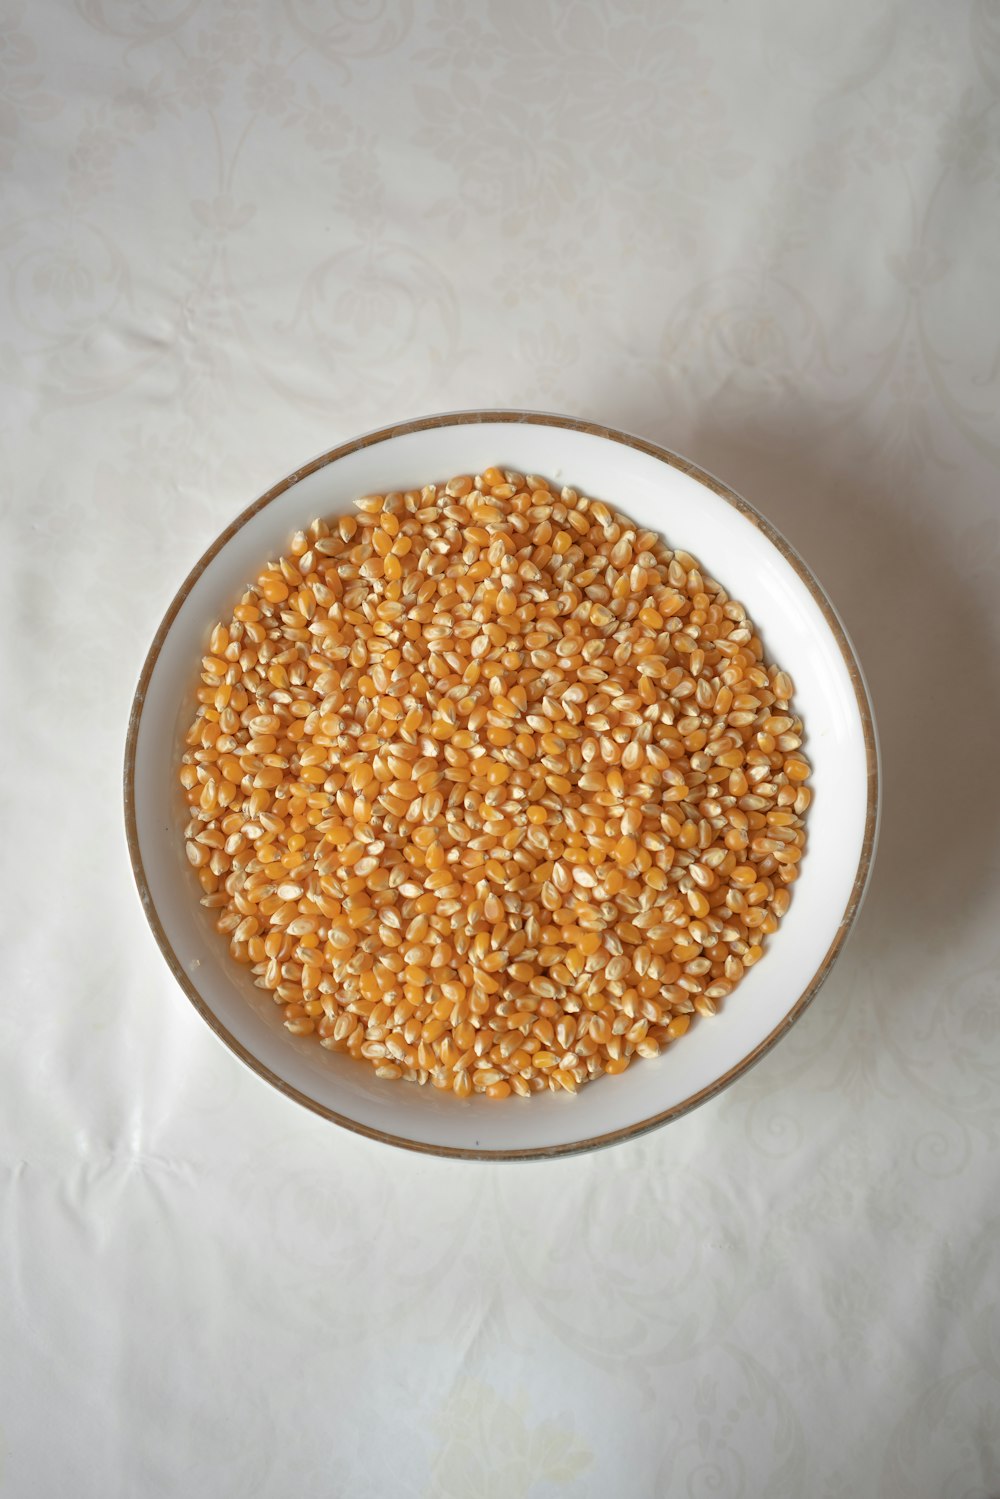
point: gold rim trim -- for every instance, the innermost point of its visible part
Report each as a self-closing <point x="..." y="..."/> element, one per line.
<point x="673" y="460"/>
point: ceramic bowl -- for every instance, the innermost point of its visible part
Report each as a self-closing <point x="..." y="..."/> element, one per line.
<point x="801" y="631"/>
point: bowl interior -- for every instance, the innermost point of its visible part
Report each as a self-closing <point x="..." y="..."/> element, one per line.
<point x="800" y="632"/>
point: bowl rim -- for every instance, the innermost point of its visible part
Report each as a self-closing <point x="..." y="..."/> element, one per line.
<point x="673" y="460"/>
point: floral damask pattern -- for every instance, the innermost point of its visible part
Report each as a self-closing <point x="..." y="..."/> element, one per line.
<point x="238" y="231"/>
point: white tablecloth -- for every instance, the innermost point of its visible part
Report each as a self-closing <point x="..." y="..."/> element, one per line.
<point x="236" y="233"/>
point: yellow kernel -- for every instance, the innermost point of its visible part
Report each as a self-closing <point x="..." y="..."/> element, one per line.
<point x="624" y="851"/>
<point x="699" y="905"/>
<point x="274" y="588"/>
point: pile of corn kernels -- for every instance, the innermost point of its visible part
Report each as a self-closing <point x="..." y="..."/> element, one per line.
<point x="491" y="789"/>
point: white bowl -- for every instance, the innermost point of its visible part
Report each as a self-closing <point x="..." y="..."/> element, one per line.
<point x="800" y="630"/>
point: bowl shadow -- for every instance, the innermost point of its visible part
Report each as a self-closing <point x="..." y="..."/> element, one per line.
<point x="905" y="588"/>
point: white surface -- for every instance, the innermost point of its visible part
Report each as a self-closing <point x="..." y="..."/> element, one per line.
<point x="767" y="236"/>
<point x="731" y="547"/>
